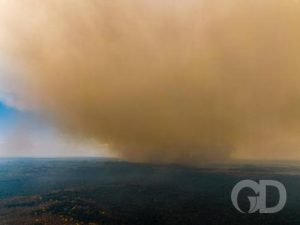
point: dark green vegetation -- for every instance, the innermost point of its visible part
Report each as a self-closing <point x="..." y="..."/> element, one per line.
<point x="98" y="191"/>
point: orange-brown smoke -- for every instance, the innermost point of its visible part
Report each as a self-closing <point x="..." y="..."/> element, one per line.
<point x="164" y="81"/>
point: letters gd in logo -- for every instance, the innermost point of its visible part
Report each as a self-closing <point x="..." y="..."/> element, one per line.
<point x="259" y="202"/>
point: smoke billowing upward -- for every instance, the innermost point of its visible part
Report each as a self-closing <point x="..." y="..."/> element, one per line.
<point x="166" y="81"/>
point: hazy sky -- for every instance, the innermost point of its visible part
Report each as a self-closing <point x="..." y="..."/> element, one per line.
<point x="164" y="81"/>
<point x="23" y="134"/>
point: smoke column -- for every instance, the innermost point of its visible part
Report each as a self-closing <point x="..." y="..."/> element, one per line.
<point x="160" y="81"/>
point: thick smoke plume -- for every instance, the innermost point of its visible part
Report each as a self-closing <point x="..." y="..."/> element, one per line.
<point x="164" y="81"/>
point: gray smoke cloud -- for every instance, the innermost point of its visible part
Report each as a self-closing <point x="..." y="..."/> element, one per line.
<point x="162" y="81"/>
